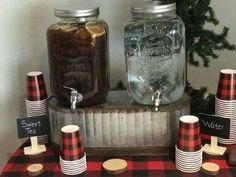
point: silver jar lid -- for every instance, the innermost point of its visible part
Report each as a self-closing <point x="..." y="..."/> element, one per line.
<point x="70" y="12"/>
<point x="152" y="7"/>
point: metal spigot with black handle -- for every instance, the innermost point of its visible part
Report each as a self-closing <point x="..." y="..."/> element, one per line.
<point x="157" y="99"/>
<point x="75" y="97"/>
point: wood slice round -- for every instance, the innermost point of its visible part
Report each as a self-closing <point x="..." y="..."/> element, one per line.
<point x="35" y="169"/>
<point x="210" y="168"/>
<point x="115" y="166"/>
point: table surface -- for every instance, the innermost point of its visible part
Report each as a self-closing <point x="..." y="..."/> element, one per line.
<point x="142" y="166"/>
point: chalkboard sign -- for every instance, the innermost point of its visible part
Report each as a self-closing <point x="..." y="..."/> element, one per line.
<point x="33" y="126"/>
<point x="214" y="125"/>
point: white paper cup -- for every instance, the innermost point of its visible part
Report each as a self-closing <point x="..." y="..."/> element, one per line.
<point x="73" y="167"/>
<point x="74" y="170"/>
<point x="188" y="162"/>
<point x="227" y="101"/>
<point x="188" y="153"/>
<point x="187" y="170"/>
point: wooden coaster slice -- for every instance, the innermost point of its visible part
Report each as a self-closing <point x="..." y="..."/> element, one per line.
<point x="115" y="166"/>
<point x="35" y="169"/>
<point x="210" y="168"/>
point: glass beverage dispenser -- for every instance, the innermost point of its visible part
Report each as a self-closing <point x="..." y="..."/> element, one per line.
<point x="78" y="57"/>
<point x="155" y="53"/>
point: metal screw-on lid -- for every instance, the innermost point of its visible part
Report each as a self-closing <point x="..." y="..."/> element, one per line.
<point x="153" y="7"/>
<point x="83" y="12"/>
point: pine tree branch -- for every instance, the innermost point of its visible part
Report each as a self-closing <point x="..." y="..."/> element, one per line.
<point x="205" y="43"/>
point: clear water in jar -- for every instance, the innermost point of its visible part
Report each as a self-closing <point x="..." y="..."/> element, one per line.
<point x="155" y="58"/>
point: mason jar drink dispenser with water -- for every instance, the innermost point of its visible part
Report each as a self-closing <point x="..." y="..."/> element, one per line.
<point x="154" y="40"/>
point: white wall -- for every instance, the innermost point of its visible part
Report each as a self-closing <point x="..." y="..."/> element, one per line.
<point x="23" y="49"/>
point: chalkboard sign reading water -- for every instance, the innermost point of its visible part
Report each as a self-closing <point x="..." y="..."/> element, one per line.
<point x="214" y="125"/>
<point x="33" y="126"/>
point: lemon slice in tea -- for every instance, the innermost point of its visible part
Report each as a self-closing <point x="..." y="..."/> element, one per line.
<point x="95" y="29"/>
<point x="68" y="28"/>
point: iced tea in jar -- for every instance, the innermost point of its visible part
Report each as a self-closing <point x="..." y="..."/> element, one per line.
<point x="78" y="56"/>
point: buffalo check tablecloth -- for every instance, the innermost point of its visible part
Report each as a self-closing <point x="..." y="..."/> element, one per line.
<point x="141" y="166"/>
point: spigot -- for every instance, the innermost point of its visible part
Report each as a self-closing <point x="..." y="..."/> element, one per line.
<point x="156" y="98"/>
<point x="75" y="97"/>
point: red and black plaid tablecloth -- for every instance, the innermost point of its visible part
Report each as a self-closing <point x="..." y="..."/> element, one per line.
<point x="156" y="166"/>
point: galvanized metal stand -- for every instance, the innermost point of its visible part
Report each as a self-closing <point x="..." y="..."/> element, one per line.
<point x="120" y="126"/>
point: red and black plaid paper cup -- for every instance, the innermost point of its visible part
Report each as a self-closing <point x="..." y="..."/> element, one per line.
<point x="71" y="148"/>
<point x="227" y="85"/>
<point x="36" y="89"/>
<point x="189" y="134"/>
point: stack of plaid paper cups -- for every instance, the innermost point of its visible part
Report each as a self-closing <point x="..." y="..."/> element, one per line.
<point x="36" y="99"/>
<point x="188" y="155"/>
<point x="225" y="104"/>
<point x="73" y="157"/>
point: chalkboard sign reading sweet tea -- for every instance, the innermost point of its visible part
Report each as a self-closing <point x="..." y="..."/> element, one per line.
<point x="214" y="125"/>
<point x="33" y="126"/>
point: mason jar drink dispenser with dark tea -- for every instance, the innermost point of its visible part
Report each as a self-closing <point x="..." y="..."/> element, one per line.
<point x="155" y="53"/>
<point x="78" y="57"/>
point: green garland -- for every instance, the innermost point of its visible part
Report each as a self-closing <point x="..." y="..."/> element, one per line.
<point x="204" y="42"/>
<point x="201" y="100"/>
